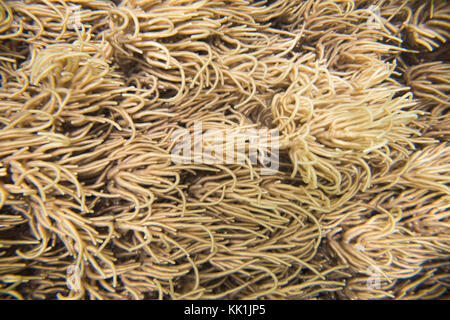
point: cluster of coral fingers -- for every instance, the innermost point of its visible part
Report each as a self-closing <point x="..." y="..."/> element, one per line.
<point x="353" y="204"/>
